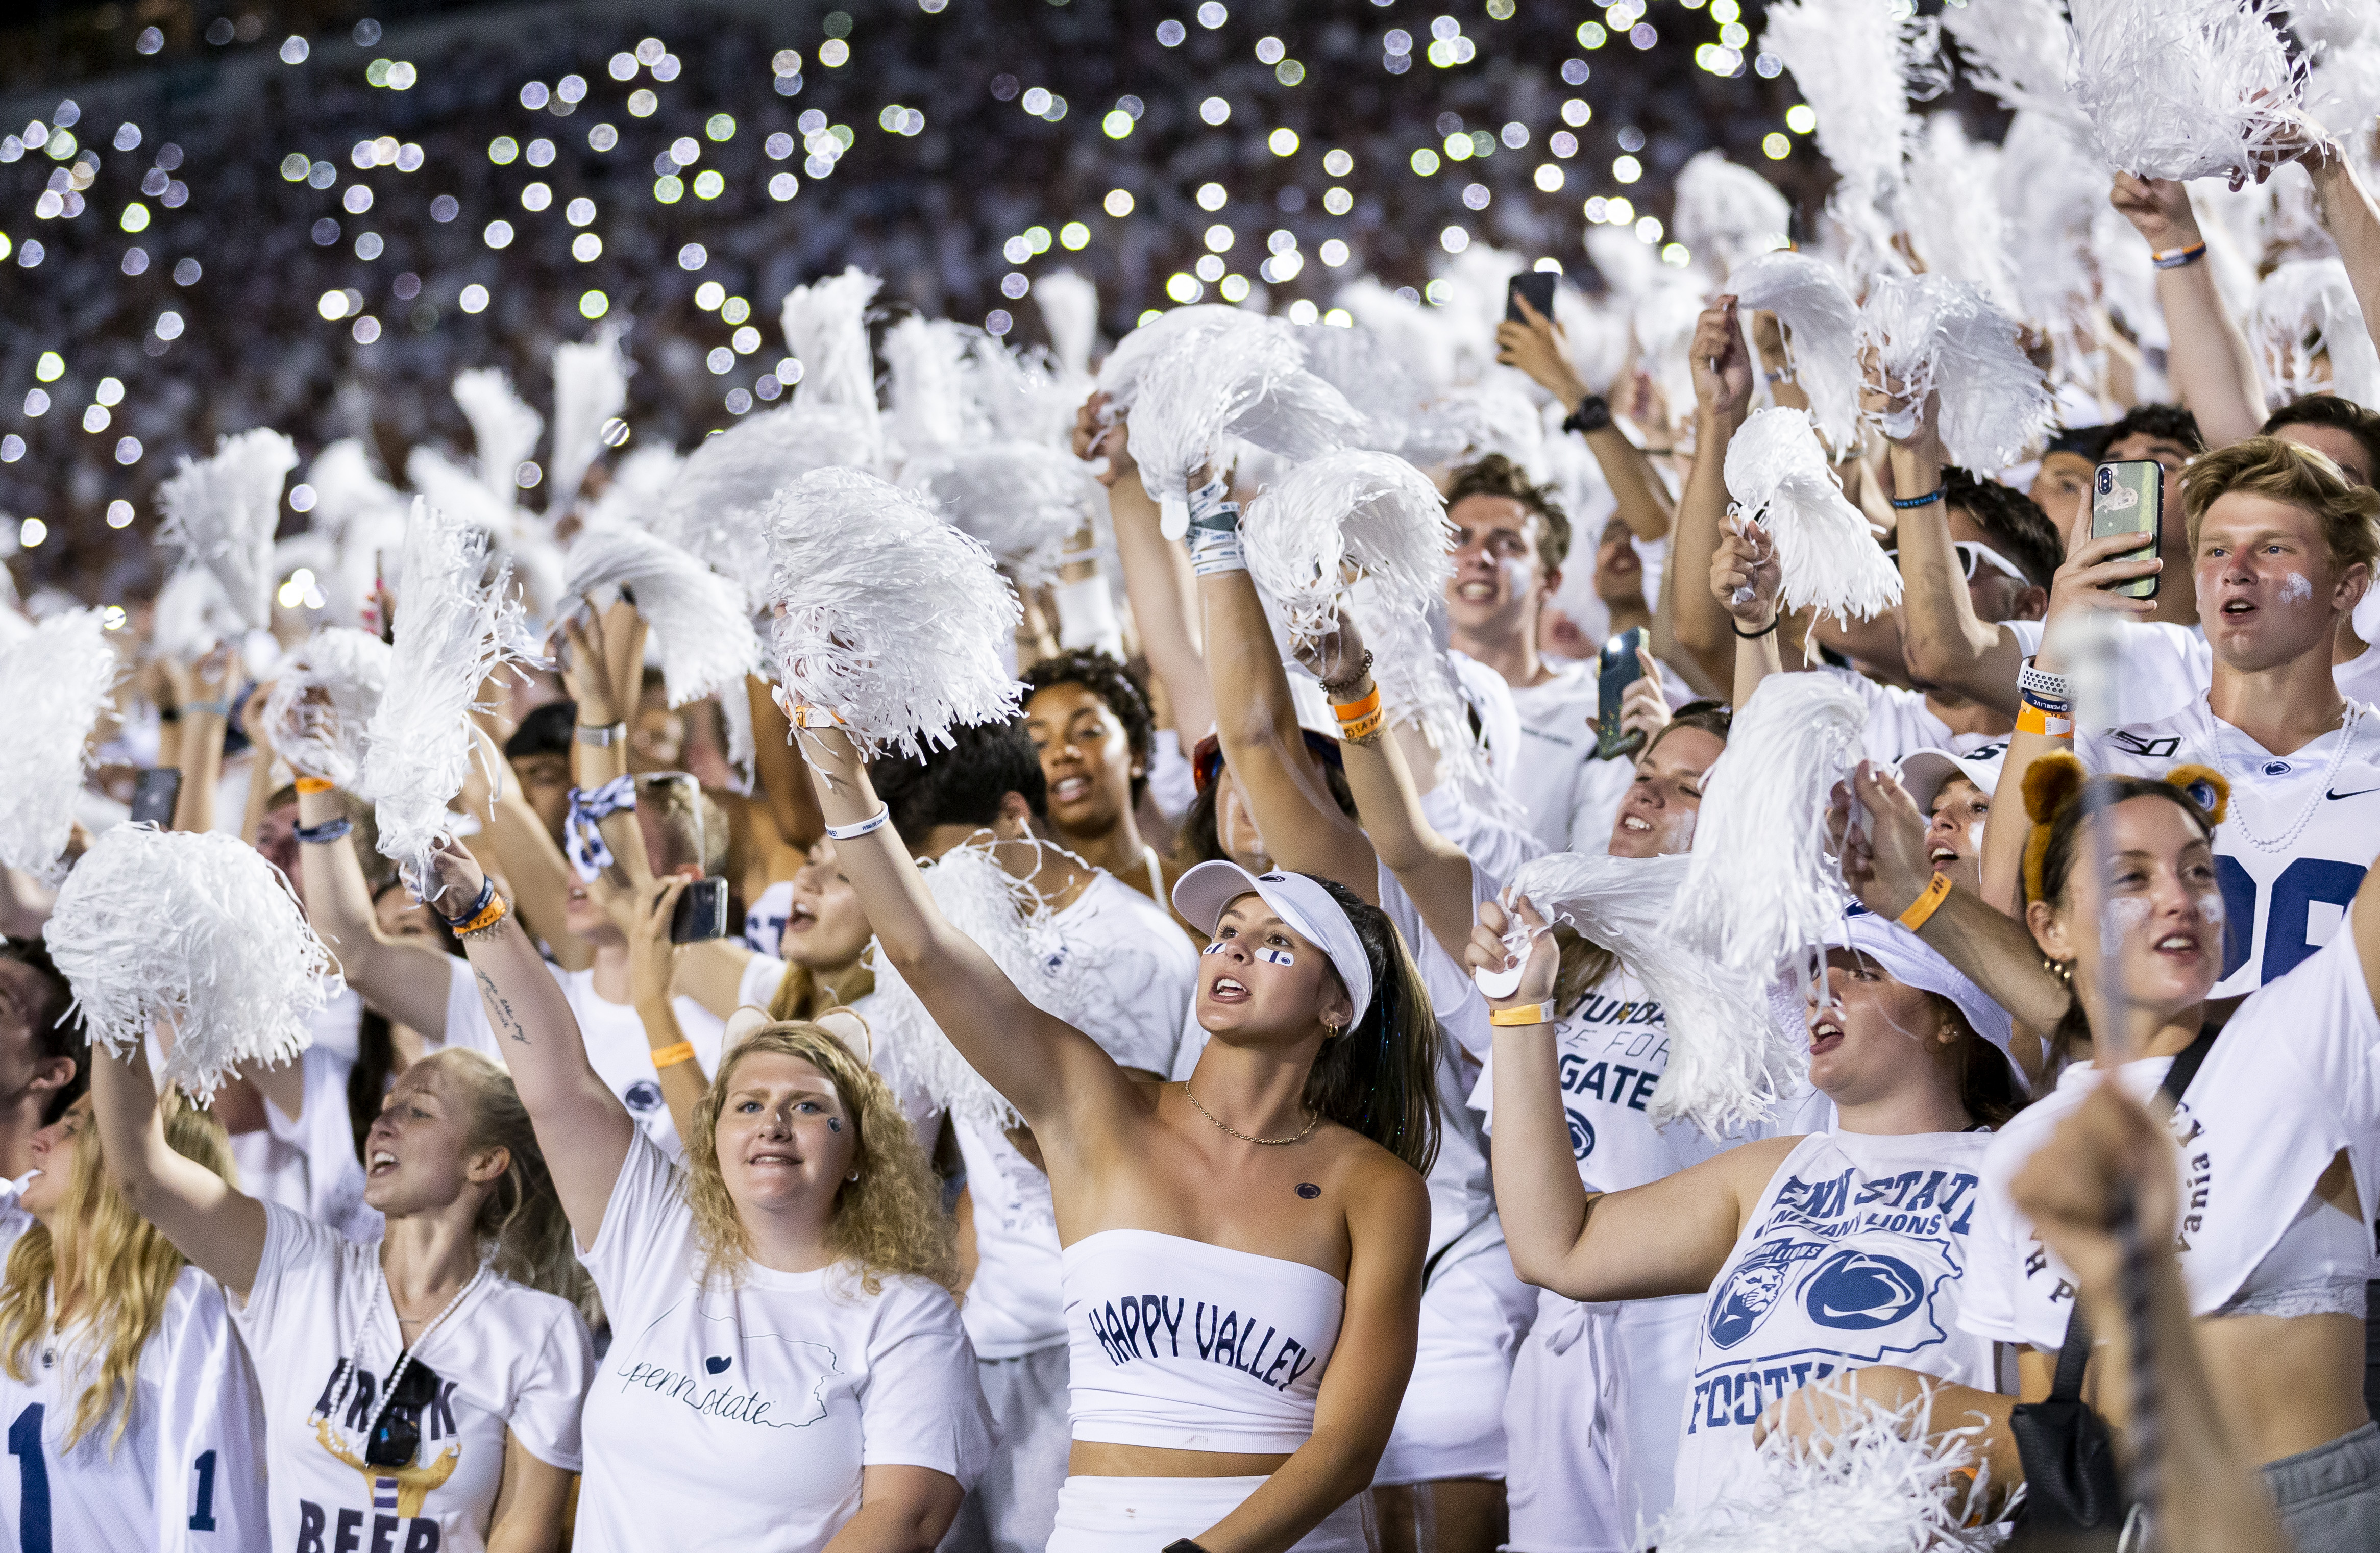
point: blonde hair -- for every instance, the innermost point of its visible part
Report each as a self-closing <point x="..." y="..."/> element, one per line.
<point x="522" y="1219"/>
<point x="120" y="1267"/>
<point x="890" y="1221"/>
<point x="803" y="994"/>
<point x="2290" y="473"/>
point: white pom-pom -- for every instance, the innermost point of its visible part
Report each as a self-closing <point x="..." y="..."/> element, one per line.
<point x="641" y="488"/>
<point x="886" y="615"/>
<point x="56" y="680"/>
<point x="1761" y="885"/>
<point x="1024" y="501"/>
<point x="1663" y="319"/>
<point x="926" y="366"/>
<point x="1247" y="382"/>
<point x="1342" y="516"/>
<point x="323" y="696"/>
<point x="1950" y="210"/>
<point x="197" y="928"/>
<point x="698" y="617"/>
<point x="1120" y="373"/>
<point x="1381" y="378"/>
<point x="716" y="504"/>
<point x="346" y="490"/>
<point x="1727" y="213"/>
<point x="826" y="329"/>
<point x="221" y="513"/>
<point x="2306" y="309"/>
<point x="590" y="387"/>
<point x="504" y="429"/>
<point x="2187" y="89"/>
<point x="1828" y="558"/>
<point x="193" y="614"/>
<point x="1070" y="311"/>
<point x="1470" y="422"/>
<point x="2020" y="51"/>
<point x="1728" y="1065"/>
<point x="1821" y="324"/>
<point x="465" y="496"/>
<point x="455" y="625"/>
<point x="1934" y="334"/>
<point x="1880" y="1485"/>
<point x="1856" y="61"/>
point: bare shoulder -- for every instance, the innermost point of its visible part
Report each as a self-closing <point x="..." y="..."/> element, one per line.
<point x="1747" y="1167"/>
<point x="1381" y="1191"/>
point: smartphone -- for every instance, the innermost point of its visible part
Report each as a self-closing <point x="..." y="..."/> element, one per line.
<point x="154" y="792"/>
<point x="2128" y="497"/>
<point x="1537" y="286"/>
<point x="1616" y="668"/>
<point x="701" y="912"/>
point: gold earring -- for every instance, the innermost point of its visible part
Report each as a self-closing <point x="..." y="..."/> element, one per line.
<point x="2063" y="970"/>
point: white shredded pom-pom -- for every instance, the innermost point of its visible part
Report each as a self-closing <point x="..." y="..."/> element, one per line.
<point x="639" y="491"/>
<point x="1344" y="515"/>
<point x="1761" y="885"/>
<point x="198" y="929"/>
<point x="1828" y="558"/>
<point x="454" y="490"/>
<point x="323" y="696"/>
<point x="1024" y="502"/>
<point x="926" y="383"/>
<point x="1879" y="1484"/>
<point x="2187" y="89"/>
<point x="826" y="329"/>
<point x="1727" y="212"/>
<point x="1950" y="210"/>
<point x="56" y="680"/>
<point x="1070" y="311"/>
<point x="1120" y="373"/>
<point x="1821" y="325"/>
<point x="221" y="512"/>
<point x="2020" y="51"/>
<point x="1726" y="1070"/>
<point x="1857" y="63"/>
<point x="193" y="615"/>
<point x="1933" y="335"/>
<point x="886" y="615"/>
<point x="698" y="618"/>
<point x="455" y="625"/>
<point x="504" y="429"/>
<point x="590" y="387"/>
<point x="2306" y="309"/>
<point x="715" y="506"/>
<point x="1249" y="383"/>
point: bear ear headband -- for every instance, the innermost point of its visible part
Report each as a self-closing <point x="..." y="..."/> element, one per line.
<point x="2056" y="780"/>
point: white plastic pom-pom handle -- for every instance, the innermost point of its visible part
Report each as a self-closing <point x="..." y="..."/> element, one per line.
<point x="1173" y="516"/>
<point x="1518" y="940"/>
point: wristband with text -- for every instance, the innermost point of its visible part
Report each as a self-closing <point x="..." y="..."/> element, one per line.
<point x="334" y="829"/>
<point x="487" y="894"/>
<point x="489" y="918"/>
<point x="2031" y="719"/>
<point x="2174" y="259"/>
<point x="1524" y="1014"/>
<point x="1909" y="503"/>
<point x="1937" y="891"/>
<point x="852" y="831"/>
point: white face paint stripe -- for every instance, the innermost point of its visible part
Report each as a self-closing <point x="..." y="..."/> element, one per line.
<point x="2295" y="589"/>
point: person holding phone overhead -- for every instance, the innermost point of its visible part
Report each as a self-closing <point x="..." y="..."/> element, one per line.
<point x="2283" y="547"/>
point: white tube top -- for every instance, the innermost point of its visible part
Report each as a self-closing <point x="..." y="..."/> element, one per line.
<point x="1186" y="1346"/>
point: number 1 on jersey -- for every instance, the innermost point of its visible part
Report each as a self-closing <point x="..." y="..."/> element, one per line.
<point x="33" y="1482"/>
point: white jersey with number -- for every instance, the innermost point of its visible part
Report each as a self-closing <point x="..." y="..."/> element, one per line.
<point x="1853" y="1256"/>
<point x="188" y="1474"/>
<point x="2300" y="831"/>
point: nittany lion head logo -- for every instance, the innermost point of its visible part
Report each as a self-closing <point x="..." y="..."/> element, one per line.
<point x="1860" y="1290"/>
<point x="643" y="1096"/>
<point x="1738" y="1305"/>
<point x="1582" y="1134"/>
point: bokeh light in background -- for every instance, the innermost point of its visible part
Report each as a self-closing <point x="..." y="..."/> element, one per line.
<point x="335" y="208"/>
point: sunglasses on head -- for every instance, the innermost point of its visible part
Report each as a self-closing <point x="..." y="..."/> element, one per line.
<point x="1972" y="554"/>
<point x="397" y="1436"/>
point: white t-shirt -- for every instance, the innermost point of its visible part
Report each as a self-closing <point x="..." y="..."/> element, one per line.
<point x="2359" y="678"/>
<point x="2301" y="831"/>
<point x="2160" y="669"/>
<point x="1495" y="847"/>
<point x="1557" y="747"/>
<point x="2290" y="1083"/>
<point x="1852" y="1257"/>
<point x="616" y="1046"/>
<point x="1151" y="969"/>
<point x="741" y="1417"/>
<point x="189" y="1473"/>
<point x="506" y="1359"/>
<point x="1898" y="722"/>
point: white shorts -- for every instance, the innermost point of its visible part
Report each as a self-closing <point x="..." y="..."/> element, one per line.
<point x="1452" y="1421"/>
<point x="1143" y="1514"/>
<point x="1013" y="1504"/>
<point x="1593" y="1417"/>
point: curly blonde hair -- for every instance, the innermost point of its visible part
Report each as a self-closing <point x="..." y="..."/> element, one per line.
<point x="116" y="1265"/>
<point x="890" y="1221"/>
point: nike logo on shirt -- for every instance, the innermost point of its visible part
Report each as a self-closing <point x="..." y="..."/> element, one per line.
<point x="2357" y="793"/>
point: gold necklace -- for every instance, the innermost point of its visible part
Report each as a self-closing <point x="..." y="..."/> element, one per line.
<point x="1251" y="1137"/>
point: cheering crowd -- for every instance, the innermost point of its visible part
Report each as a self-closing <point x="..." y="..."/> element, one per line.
<point x="1412" y="934"/>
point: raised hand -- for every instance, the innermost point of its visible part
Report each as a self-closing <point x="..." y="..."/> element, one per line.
<point x="1540" y="349"/>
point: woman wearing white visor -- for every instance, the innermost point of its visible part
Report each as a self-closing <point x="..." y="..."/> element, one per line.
<point x="1241" y="1252"/>
<point x="1954" y="794"/>
<point x="1822" y="1254"/>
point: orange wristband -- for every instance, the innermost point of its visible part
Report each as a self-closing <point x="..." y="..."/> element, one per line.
<point x="671" y="1056"/>
<point x="489" y="916"/>
<point x="314" y="784"/>
<point x="1522" y="1014"/>
<point x="2031" y="719"/>
<point x="1355" y="711"/>
<point x="807" y="716"/>
<point x="1926" y="905"/>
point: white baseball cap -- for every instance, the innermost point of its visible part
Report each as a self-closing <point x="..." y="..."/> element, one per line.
<point x="1916" y="962"/>
<point x="1924" y="771"/>
<point x="1201" y="894"/>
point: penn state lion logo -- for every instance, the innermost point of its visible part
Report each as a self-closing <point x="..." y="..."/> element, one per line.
<point x="1738" y="1305"/>
<point x="1582" y="1134"/>
<point x="1860" y="1290"/>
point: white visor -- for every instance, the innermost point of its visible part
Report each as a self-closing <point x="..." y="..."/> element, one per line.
<point x="1924" y="772"/>
<point x="1914" y="963"/>
<point x="1201" y="894"/>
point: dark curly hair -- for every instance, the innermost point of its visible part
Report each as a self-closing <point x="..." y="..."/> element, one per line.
<point x="2012" y="522"/>
<point x="1112" y="683"/>
<point x="1498" y="476"/>
<point x="56" y="1026"/>
<point x="963" y="785"/>
<point x="2170" y="421"/>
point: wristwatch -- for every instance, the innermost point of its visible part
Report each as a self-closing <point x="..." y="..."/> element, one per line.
<point x="1594" y="413"/>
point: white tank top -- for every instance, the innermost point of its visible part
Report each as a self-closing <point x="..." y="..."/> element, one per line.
<point x="1186" y="1346"/>
<point x="1852" y="1257"/>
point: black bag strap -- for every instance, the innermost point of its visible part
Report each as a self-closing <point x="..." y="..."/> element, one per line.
<point x="2074" y="1355"/>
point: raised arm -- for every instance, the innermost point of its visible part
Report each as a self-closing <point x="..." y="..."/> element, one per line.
<point x="1539" y="347"/>
<point x="2208" y="359"/>
<point x="198" y="691"/>
<point x="1670" y="1237"/>
<point x="1157" y="579"/>
<point x="215" y="1226"/>
<point x="782" y="781"/>
<point x="405" y="979"/>
<point x="1056" y="1076"/>
<point x="582" y="1129"/>
<point x="1745" y="579"/>
<point x="644" y="916"/>
<point x="1942" y="642"/>
<point x="2354" y="223"/>
<point x="538" y="874"/>
<point x="1722" y="371"/>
